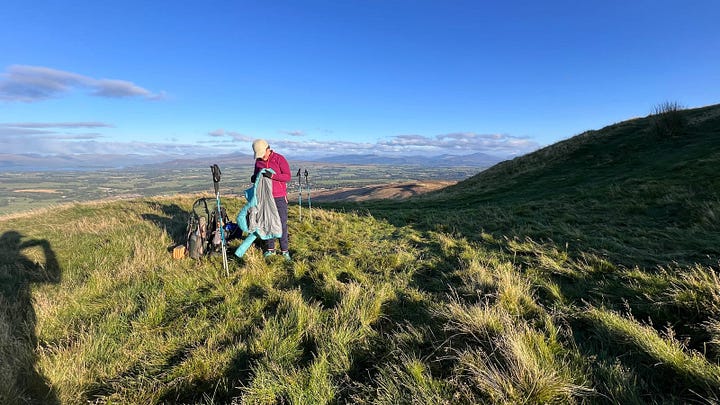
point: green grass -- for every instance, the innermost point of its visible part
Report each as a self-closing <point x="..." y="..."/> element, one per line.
<point x="553" y="278"/>
<point x="621" y="193"/>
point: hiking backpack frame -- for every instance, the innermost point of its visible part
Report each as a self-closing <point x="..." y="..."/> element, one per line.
<point x="203" y="228"/>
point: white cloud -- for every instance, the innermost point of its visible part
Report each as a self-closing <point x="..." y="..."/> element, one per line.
<point x="61" y="138"/>
<point x="70" y="138"/>
<point x="322" y="148"/>
<point x="234" y="136"/>
<point x="36" y="83"/>
<point x="83" y="137"/>
<point x="119" y="88"/>
<point x="55" y="125"/>
<point x="460" y="143"/>
<point x="74" y="138"/>
<point x="26" y="134"/>
<point x="293" y="133"/>
<point x="501" y="145"/>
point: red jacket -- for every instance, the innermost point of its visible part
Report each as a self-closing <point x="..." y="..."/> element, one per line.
<point x="282" y="175"/>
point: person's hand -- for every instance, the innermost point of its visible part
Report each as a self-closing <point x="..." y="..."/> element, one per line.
<point x="267" y="174"/>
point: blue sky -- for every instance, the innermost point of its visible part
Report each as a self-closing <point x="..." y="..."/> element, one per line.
<point x="335" y="77"/>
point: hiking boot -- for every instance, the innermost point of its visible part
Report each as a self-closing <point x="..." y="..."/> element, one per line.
<point x="286" y="255"/>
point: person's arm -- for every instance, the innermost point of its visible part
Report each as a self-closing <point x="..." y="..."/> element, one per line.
<point x="284" y="174"/>
<point x="48" y="272"/>
<point x="255" y="172"/>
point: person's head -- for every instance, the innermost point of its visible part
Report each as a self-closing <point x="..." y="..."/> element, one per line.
<point x="261" y="149"/>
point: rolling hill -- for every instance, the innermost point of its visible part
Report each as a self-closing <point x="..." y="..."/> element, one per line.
<point x="586" y="272"/>
<point x="594" y="191"/>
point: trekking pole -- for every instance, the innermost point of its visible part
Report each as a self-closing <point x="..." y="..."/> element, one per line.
<point x="216" y="184"/>
<point x="299" y="193"/>
<point x="307" y="186"/>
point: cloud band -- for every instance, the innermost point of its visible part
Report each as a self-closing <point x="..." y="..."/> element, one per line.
<point x="22" y="83"/>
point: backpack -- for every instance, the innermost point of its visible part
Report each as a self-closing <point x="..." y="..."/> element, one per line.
<point x="203" y="231"/>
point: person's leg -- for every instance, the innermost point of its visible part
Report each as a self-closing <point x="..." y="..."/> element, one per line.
<point x="282" y="207"/>
<point x="270" y="245"/>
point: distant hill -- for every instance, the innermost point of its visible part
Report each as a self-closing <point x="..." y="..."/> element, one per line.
<point x="471" y="160"/>
<point x="230" y="159"/>
<point x="480" y="160"/>
<point x="35" y="162"/>
<point x="396" y="191"/>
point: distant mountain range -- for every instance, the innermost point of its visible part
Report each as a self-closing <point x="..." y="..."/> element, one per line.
<point x="36" y="162"/>
<point x="472" y="160"/>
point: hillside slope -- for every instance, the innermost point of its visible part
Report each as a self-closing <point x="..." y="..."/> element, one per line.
<point x="626" y="153"/>
<point x="623" y="192"/>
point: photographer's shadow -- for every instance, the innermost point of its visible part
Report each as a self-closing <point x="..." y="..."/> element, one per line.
<point x="20" y="382"/>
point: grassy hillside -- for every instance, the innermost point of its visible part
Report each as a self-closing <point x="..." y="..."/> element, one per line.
<point x="624" y="192"/>
<point x="584" y="273"/>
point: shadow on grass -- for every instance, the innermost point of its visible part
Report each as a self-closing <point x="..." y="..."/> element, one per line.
<point x="174" y="222"/>
<point x="240" y="369"/>
<point x="222" y="391"/>
<point x="628" y="230"/>
<point x="21" y="381"/>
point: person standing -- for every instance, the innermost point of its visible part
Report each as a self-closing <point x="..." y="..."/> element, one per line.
<point x="266" y="158"/>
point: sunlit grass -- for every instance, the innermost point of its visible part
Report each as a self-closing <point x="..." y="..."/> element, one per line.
<point x="426" y="316"/>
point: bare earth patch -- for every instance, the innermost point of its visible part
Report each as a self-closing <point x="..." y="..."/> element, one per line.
<point x="395" y="191"/>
